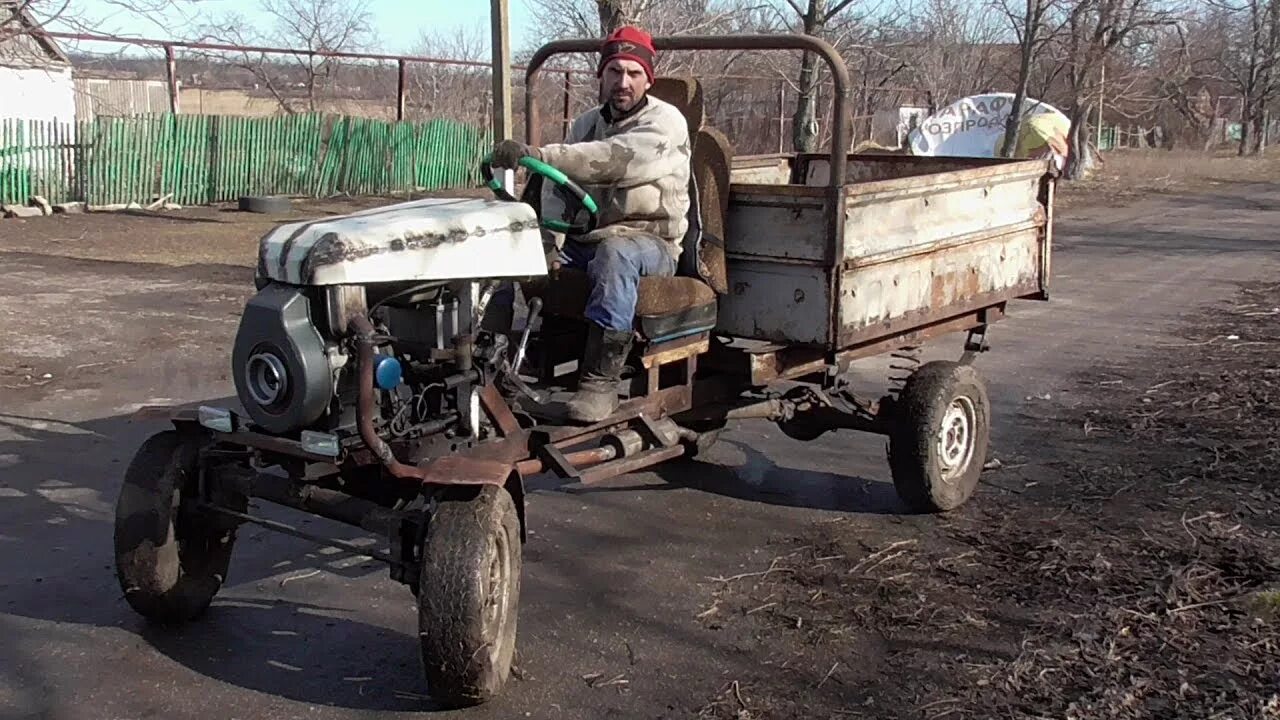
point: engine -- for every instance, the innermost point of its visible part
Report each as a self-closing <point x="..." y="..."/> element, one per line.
<point x="408" y="270"/>
<point x="283" y="367"/>
<point x="295" y="365"/>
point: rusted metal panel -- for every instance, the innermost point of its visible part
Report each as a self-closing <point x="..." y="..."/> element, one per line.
<point x="904" y="216"/>
<point x="498" y="411"/>
<point x="782" y="225"/>
<point x="761" y="170"/>
<point x="947" y="277"/>
<point x="1047" y="191"/>
<point x="816" y="169"/>
<point x="917" y="329"/>
<point x="762" y="363"/>
<point x="462" y="470"/>
<point x="912" y="237"/>
<point x="776" y="301"/>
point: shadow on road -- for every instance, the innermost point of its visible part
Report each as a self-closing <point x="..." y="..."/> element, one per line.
<point x="762" y="480"/>
<point x="757" y="480"/>
<point x="280" y="648"/>
<point x="57" y="496"/>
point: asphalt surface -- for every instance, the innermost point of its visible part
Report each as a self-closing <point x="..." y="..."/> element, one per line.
<point x="614" y="576"/>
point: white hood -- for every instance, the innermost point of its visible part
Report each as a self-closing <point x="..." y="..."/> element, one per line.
<point x="434" y="239"/>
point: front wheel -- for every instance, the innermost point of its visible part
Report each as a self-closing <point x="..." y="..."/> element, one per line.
<point x="938" y="441"/>
<point x="171" y="557"/>
<point x="468" y="595"/>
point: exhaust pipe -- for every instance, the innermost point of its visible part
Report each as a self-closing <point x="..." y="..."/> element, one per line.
<point x="362" y="329"/>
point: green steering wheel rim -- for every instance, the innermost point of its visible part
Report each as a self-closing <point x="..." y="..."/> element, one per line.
<point x="556" y="176"/>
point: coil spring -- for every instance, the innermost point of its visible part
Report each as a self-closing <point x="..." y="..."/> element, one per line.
<point x="906" y="360"/>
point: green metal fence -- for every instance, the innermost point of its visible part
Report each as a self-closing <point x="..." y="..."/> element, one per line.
<point x="200" y="159"/>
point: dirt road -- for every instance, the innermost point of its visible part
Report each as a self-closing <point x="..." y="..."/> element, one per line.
<point x="628" y="607"/>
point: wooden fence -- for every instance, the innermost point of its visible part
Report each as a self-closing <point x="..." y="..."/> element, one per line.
<point x="202" y="159"/>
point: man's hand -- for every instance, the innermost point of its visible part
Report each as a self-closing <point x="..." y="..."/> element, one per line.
<point x="507" y="153"/>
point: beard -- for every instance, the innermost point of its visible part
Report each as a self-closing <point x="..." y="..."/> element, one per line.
<point x="624" y="102"/>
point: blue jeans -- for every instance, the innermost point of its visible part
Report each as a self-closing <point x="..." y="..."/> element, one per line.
<point x="614" y="267"/>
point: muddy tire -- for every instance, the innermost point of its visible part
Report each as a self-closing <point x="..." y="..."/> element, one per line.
<point x="938" y="441"/>
<point x="468" y="595"/>
<point x="170" y="558"/>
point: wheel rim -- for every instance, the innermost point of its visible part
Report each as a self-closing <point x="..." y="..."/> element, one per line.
<point x="956" y="438"/>
<point x="498" y="594"/>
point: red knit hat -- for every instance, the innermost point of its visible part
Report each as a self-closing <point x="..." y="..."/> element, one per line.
<point x="628" y="43"/>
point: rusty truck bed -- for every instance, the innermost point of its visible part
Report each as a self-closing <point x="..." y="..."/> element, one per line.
<point x="902" y="243"/>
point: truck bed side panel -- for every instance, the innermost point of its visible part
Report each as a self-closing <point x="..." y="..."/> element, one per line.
<point x="908" y="249"/>
<point x="777" y="301"/>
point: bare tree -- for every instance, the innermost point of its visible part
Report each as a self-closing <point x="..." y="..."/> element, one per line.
<point x="954" y="48"/>
<point x="456" y="92"/>
<point x="1247" y="52"/>
<point x="311" y="26"/>
<point x="868" y="42"/>
<point x="616" y="13"/>
<point x="66" y="15"/>
<point x="1033" y="26"/>
<point x="833" y="21"/>
<point x="1092" y="32"/>
<point x="596" y="18"/>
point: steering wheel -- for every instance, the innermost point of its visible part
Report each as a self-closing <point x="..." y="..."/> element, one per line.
<point x="575" y="191"/>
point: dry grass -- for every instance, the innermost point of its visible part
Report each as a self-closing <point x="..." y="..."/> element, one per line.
<point x="1125" y="175"/>
<point x="1137" y="580"/>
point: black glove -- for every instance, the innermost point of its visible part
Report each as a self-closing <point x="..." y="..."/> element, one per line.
<point x="507" y="153"/>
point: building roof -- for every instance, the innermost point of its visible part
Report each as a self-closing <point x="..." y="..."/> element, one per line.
<point x="22" y="33"/>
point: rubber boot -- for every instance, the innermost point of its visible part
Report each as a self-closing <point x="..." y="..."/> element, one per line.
<point x="603" y="360"/>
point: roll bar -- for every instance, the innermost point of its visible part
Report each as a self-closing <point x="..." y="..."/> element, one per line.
<point x="839" y="73"/>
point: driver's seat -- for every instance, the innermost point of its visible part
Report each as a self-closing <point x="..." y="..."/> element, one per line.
<point x="670" y="308"/>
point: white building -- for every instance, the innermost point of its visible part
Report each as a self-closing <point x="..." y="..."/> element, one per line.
<point x="35" y="74"/>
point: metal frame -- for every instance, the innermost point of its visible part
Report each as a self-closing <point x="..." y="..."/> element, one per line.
<point x="169" y="46"/>
<point x="840" y="110"/>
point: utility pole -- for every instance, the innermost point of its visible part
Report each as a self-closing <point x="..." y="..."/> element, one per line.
<point x="500" y="21"/>
<point x="1102" y="94"/>
<point x="171" y="75"/>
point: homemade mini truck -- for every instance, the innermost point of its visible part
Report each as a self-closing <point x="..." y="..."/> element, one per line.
<point x="374" y="395"/>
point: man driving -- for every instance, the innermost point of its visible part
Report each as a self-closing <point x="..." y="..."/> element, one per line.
<point x="632" y="154"/>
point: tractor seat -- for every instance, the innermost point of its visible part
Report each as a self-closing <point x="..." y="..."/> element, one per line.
<point x="666" y="307"/>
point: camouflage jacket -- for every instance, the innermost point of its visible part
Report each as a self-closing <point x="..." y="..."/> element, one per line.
<point x="637" y="169"/>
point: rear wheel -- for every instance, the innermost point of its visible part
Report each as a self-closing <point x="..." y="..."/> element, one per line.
<point x="468" y="595"/>
<point x="938" y="442"/>
<point x="171" y="557"/>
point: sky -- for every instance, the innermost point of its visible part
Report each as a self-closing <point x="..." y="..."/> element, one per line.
<point x="397" y="23"/>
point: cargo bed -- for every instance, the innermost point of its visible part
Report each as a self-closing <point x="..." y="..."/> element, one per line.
<point x="903" y="243"/>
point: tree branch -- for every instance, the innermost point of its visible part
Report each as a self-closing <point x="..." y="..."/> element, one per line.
<point x="836" y="10"/>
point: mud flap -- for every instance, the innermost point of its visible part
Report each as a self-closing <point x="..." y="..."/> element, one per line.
<point x="975" y="344"/>
<point x="454" y="470"/>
